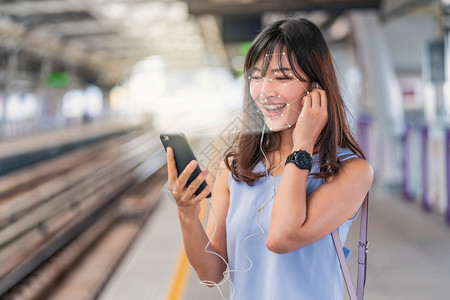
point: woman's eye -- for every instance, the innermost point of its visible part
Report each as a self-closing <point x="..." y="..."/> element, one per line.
<point x="283" y="78"/>
<point x="255" y="77"/>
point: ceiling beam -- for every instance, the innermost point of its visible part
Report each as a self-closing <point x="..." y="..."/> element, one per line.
<point x="47" y="45"/>
<point x="80" y="30"/>
<point x="81" y="35"/>
<point x="24" y="8"/>
<point x="392" y="9"/>
<point x="197" y="7"/>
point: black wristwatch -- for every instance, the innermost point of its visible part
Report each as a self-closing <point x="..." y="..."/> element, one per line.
<point x="301" y="159"/>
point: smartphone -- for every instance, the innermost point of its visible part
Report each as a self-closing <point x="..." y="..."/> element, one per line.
<point x="183" y="156"/>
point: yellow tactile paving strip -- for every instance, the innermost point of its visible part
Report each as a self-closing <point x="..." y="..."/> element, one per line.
<point x="181" y="274"/>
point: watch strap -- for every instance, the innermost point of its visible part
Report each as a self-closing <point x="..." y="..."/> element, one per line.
<point x="290" y="158"/>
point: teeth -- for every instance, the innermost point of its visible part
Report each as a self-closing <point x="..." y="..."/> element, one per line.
<point x="274" y="106"/>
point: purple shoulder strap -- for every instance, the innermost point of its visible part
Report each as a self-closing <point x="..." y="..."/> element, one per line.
<point x="363" y="249"/>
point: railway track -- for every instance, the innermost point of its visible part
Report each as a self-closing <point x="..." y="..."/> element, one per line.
<point x="74" y="217"/>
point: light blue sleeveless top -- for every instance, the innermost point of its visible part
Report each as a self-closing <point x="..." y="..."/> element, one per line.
<point x="312" y="272"/>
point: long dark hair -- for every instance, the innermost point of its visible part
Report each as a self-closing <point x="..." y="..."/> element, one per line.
<point x="306" y="49"/>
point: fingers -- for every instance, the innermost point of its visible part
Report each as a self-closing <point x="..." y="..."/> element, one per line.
<point x="187" y="197"/>
<point x="171" y="167"/>
<point x="323" y="104"/>
<point x="201" y="196"/>
<point x="315" y="105"/>
<point x="315" y="99"/>
<point x="306" y="103"/>
<point x="184" y="176"/>
<point x="178" y="183"/>
<point x="195" y="184"/>
<point x="323" y="98"/>
<point x="192" y="201"/>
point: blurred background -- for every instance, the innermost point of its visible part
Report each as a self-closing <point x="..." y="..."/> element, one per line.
<point x="87" y="86"/>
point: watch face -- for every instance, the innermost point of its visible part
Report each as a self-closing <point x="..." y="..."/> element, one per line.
<point x="303" y="160"/>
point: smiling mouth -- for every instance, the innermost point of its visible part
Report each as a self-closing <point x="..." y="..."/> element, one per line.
<point x="273" y="110"/>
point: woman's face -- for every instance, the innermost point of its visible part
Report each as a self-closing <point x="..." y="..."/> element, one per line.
<point x="276" y="91"/>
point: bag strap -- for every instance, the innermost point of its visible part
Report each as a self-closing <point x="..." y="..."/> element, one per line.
<point x="363" y="249"/>
<point x="344" y="266"/>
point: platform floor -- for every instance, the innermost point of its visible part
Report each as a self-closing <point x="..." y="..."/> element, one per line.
<point x="408" y="259"/>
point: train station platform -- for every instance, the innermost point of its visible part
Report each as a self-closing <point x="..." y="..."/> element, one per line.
<point x="408" y="256"/>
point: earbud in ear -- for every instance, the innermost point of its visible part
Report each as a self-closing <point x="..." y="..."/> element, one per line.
<point x="317" y="85"/>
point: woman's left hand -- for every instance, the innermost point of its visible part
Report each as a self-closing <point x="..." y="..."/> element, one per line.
<point x="312" y="119"/>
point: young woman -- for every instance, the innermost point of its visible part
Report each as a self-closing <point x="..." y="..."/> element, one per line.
<point x="291" y="179"/>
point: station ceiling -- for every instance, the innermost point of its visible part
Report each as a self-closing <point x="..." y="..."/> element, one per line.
<point x="234" y="7"/>
<point x="111" y="35"/>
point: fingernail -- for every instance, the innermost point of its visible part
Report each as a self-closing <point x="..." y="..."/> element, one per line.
<point x="193" y="163"/>
<point x="206" y="171"/>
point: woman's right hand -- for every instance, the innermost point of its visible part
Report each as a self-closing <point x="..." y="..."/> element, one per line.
<point x="186" y="200"/>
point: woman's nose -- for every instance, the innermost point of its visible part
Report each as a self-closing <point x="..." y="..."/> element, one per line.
<point x="268" y="88"/>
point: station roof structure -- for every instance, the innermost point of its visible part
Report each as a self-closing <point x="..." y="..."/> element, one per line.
<point x="109" y="36"/>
